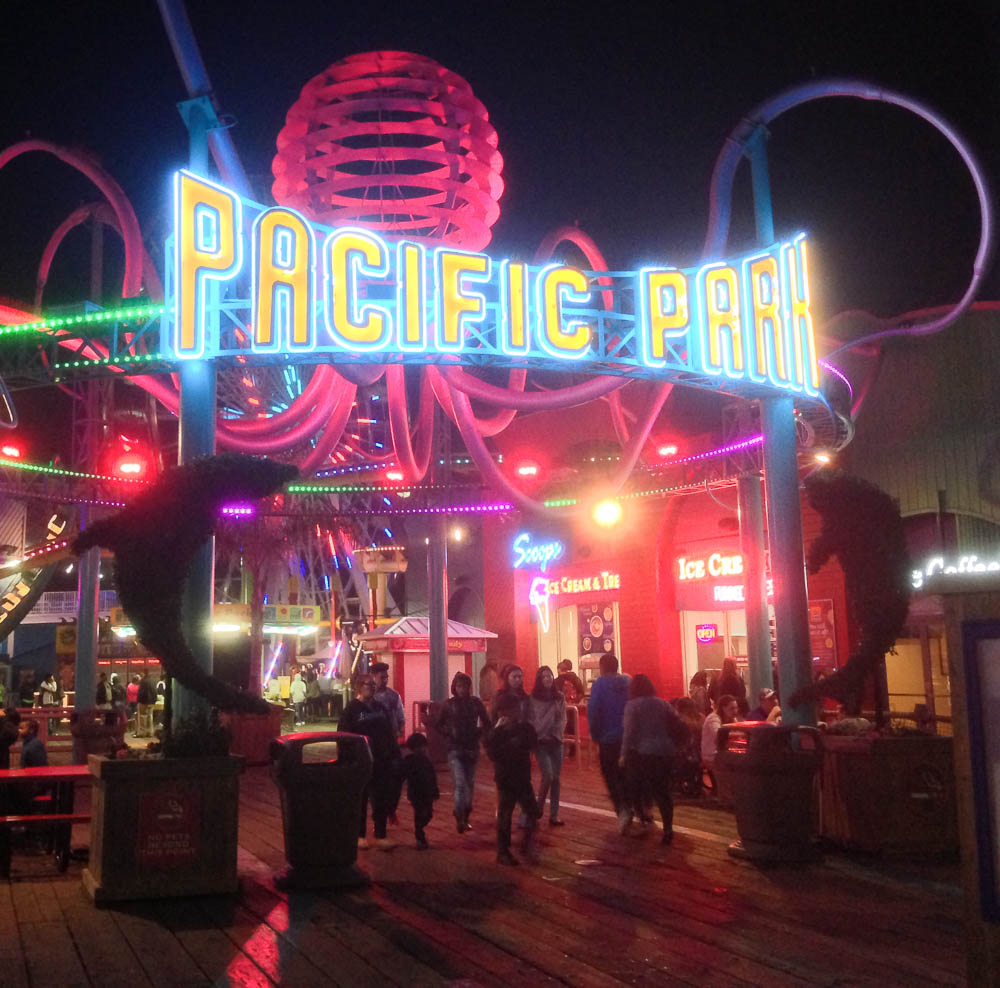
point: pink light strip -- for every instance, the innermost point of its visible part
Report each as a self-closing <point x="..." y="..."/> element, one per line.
<point x="721" y="451"/>
<point x="836" y="372"/>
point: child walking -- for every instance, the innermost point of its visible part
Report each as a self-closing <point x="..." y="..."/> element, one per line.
<point x="421" y="785"/>
<point x="510" y="746"/>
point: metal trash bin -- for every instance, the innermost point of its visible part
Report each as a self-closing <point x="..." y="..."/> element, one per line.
<point x="426" y="717"/>
<point x="321" y="809"/>
<point x="770" y="770"/>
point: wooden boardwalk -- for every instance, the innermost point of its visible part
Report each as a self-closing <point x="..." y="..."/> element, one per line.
<point x="598" y="910"/>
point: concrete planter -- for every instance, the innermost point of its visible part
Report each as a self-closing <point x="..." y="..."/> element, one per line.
<point x="892" y="795"/>
<point x="163" y="828"/>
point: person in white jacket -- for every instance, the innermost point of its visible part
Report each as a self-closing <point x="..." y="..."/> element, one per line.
<point x="547" y="715"/>
<point x="297" y="693"/>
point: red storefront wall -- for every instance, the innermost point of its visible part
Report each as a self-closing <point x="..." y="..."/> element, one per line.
<point x="643" y="554"/>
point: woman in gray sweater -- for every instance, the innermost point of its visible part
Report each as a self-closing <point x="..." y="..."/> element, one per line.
<point x="547" y="715"/>
<point x="652" y="729"/>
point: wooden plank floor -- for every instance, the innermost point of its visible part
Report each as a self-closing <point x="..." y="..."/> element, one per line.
<point x="597" y="910"/>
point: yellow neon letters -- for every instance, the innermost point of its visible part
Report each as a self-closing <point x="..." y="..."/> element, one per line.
<point x="747" y="320"/>
<point x="721" y="342"/>
<point x="456" y="305"/>
<point x="349" y="254"/>
<point x="208" y="242"/>
<point x="663" y="311"/>
<point x="561" y="337"/>
<point x="283" y="273"/>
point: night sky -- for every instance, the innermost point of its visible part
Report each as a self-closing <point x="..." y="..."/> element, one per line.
<point x="611" y="118"/>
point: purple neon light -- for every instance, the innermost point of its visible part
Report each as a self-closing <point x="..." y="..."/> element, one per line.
<point x="239" y="510"/>
<point x="836" y="372"/>
<point x="721" y="451"/>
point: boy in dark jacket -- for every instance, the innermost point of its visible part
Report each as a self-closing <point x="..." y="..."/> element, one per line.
<point x="510" y="746"/>
<point x="421" y="785"/>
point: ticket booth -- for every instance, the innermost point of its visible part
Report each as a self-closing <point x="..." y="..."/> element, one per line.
<point x="405" y="645"/>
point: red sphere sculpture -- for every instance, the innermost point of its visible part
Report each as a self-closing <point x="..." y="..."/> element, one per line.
<point x="397" y="143"/>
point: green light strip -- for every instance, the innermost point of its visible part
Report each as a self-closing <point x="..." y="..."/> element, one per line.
<point x="562" y="502"/>
<point x="60" y="472"/>
<point x="125" y="358"/>
<point x="87" y="319"/>
<point x="356" y="489"/>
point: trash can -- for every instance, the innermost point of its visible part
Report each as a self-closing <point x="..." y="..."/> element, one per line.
<point x="321" y="808"/>
<point x="426" y="719"/>
<point x="770" y="770"/>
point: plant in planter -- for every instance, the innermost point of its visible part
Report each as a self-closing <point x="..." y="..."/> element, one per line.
<point x="863" y="529"/>
<point x="168" y="826"/>
<point x="155" y="540"/>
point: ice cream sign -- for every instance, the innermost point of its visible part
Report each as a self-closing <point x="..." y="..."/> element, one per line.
<point x="542" y="588"/>
<point x="711" y="580"/>
<point x="528" y="553"/>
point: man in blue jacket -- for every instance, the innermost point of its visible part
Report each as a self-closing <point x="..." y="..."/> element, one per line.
<point x="606" y="719"/>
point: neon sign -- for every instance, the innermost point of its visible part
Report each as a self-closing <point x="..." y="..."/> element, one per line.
<point x="705" y="567"/>
<point x="938" y="566"/>
<point x="528" y="553"/>
<point x="743" y="324"/>
<point x="706" y="633"/>
<point x="538" y="597"/>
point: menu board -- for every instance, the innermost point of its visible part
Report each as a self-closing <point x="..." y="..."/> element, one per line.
<point x="597" y="629"/>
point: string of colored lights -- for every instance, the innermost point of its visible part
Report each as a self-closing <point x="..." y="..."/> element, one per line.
<point x="88" y="318"/>
<point x="62" y="472"/>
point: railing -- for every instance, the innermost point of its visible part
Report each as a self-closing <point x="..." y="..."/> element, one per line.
<point x="54" y="604"/>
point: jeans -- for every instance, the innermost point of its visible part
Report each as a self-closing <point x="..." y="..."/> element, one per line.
<point x="463" y="780"/>
<point x="380" y="792"/>
<point x="649" y="780"/>
<point x="422" y="813"/>
<point x="300" y="712"/>
<point x="550" y="756"/>
<point x="507" y="799"/>
<point x="614" y="779"/>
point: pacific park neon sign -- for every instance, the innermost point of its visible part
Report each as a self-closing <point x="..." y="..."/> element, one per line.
<point x="740" y="324"/>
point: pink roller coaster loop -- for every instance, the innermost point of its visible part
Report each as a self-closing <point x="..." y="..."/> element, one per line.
<point x="414" y="465"/>
<point x="484" y="461"/>
<point x="112" y="191"/>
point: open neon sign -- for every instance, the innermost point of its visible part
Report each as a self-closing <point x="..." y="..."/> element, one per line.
<point x="347" y="290"/>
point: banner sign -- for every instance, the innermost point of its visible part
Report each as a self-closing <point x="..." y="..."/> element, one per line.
<point x="742" y="325"/>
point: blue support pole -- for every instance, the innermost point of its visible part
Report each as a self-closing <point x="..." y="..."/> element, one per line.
<point x="752" y="548"/>
<point x="784" y="529"/>
<point x="784" y="510"/>
<point x="197" y="438"/>
<point x="437" y="608"/>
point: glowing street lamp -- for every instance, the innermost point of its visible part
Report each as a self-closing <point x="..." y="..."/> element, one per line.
<point x="607" y="513"/>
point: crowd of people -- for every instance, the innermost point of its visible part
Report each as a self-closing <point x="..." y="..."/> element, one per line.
<point x="648" y="747"/>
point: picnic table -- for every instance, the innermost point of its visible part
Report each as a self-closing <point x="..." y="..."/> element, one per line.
<point x="62" y="780"/>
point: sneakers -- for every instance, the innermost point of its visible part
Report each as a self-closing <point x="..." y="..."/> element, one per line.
<point x="363" y="844"/>
<point x="624" y="821"/>
<point x="504" y="857"/>
<point x="422" y="844"/>
<point x="556" y="822"/>
<point x="385" y="843"/>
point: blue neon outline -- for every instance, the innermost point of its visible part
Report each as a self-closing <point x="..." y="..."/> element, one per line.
<point x="202" y="212"/>
<point x="805" y="385"/>
<point x="356" y="267"/>
<point x="401" y="342"/>
<point x="475" y="278"/>
<point x="222" y="274"/>
<point x="523" y="554"/>
<point x="728" y="368"/>
<point x="281" y="335"/>
<point x="566" y="293"/>
<point x="645" y="314"/>
<point x="504" y="330"/>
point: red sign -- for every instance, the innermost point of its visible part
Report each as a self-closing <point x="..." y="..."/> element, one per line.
<point x="169" y="827"/>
